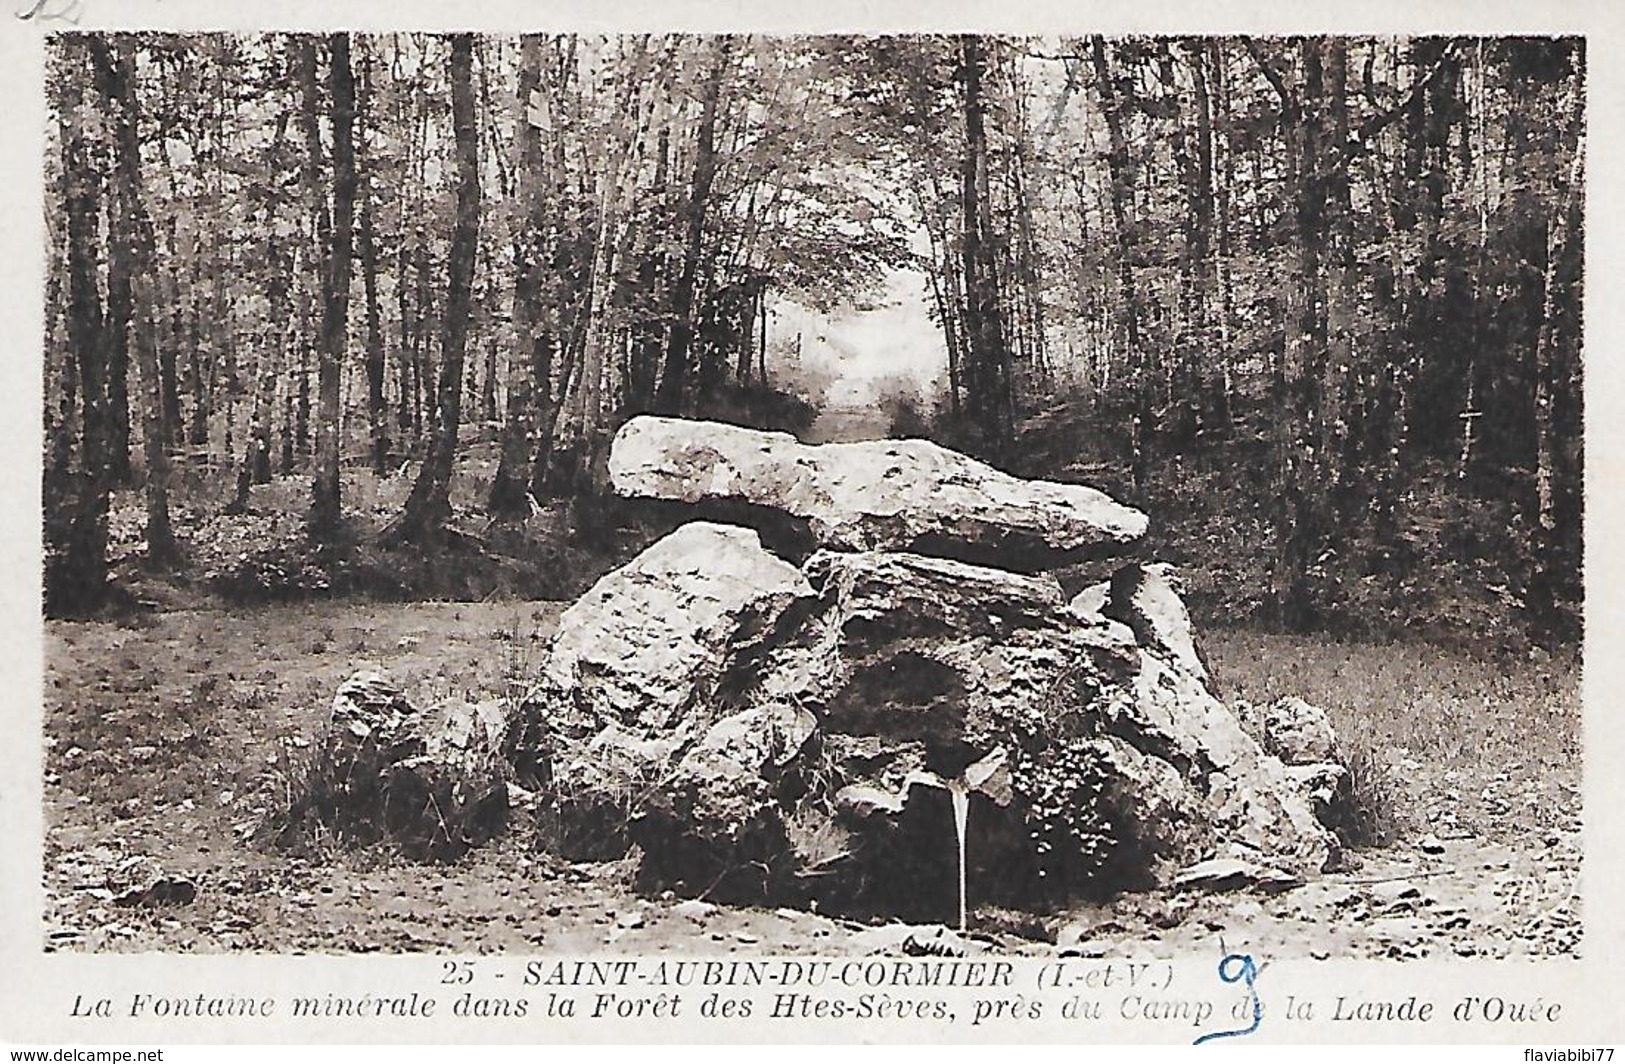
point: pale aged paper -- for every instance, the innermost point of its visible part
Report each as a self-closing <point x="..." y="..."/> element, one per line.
<point x="731" y="987"/>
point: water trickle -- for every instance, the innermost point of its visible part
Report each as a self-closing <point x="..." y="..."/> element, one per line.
<point x="961" y="799"/>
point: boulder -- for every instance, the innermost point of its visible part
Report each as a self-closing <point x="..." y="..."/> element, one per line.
<point x="754" y="728"/>
<point x="1330" y="790"/>
<point x="601" y="785"/>
<point x="450" y="792"/>
<point x="900" y="636"/>
<point x="641" y="727"/>
<point x="369" y="713"/>
<point x="1092" y="602"/>
<point x="1147" y="599"/>
<point x="750" y="725"/>
<point x="1229" y="873"/>
<point x="1123" y="768"/>
<point x="741" y="750"/>
<point x="857" y="802"/>
<point x="1297" y="732"/>
<point x="885" y="762"/>
<point x="140" y="880"/>
<point x="716" y="825"/>
<point x="873" y="495"/>
<point x="666" y="634"/>
<point x="434" y="781"/>
<point x="1259" y="808"/>
<point x="707" y="813"/>
<point x="456" y="729"/>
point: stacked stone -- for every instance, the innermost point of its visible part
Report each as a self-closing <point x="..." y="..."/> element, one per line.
<point x="762" y="720"/>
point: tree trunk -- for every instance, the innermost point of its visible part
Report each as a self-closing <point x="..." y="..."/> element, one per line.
<point x="587" y="472"/>
<point x="1122" y="197"/>
<point x="508" y="495"/>
<point x="650" y="329"/>
<point x="1200" y="253"/>
<point x="422" y="521"/>
<point x="76" y="569"/>
<point x="210" y="334"/>
<point x="1409" y="196"/>
<point x="1542" y="596"/>
<point x="405" y="404"/>
<point x="673" y="380"/>
<point x="1302" y="527"/>
<point x="1224" y="179"/>
<point x="176" y="297"/>
<point x="991" y="404"/>
<point x="256" y="463"/>
<point x="1183" y="424"/>
<point x="133" y="243"/>
<point x="945" y="290"/>
<point x="181" y="430"/>
<point x="377" y="411"/>
<point x="120" y="310"/>
<point x="1342" y="295"/>
<point x="57" y="482"/>
<point x="424" y="397"/>
<point x="325" y="515"/>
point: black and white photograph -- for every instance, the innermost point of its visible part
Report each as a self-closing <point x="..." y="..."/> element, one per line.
<point x="1062" y="495"/>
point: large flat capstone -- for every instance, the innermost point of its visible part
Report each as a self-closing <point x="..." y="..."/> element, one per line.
<point x="909" y="495"/>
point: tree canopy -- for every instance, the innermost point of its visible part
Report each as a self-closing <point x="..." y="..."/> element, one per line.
<point x="1358" y="259"/>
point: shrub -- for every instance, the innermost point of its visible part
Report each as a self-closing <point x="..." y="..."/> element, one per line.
<point x="285" y="572"/>
<point x="1366" y="811"/>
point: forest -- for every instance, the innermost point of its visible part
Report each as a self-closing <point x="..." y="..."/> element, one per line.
<point x="1325" y="291"/>
<point x="357" y="638"/>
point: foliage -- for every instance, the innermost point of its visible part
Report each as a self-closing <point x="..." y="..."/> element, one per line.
<point x="1074" y="836"/>
<point x="1356" y="260"/>
<point x="758" y="406"/>
<point x="284" y="572"/>
<point x="905" y="406"/>
<point x="587" y="182"/>
<point x="1457" y="571"/>
<point x="1358" y="252"/>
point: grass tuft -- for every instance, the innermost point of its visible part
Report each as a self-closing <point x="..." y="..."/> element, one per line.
<point x="1368" y="812"/>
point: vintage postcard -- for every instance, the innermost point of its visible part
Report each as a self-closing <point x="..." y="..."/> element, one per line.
<point x="886" y="524"/>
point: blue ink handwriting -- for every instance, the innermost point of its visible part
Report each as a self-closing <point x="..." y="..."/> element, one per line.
<point x="1235" y="968"/>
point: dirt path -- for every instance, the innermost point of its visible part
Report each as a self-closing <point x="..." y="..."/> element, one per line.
<point x="847" y="424"/>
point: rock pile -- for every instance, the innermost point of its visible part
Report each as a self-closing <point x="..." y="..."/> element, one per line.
<point x="763" y="724"/>
<point x="433" y="779"/>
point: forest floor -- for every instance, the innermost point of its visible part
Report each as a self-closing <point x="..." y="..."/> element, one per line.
<point x="168" y="734"/>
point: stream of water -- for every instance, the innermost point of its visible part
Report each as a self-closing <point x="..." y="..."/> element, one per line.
<point x="961" y="799"/>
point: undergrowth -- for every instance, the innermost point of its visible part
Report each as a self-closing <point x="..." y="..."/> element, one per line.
<point x="1455" y="570"/>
